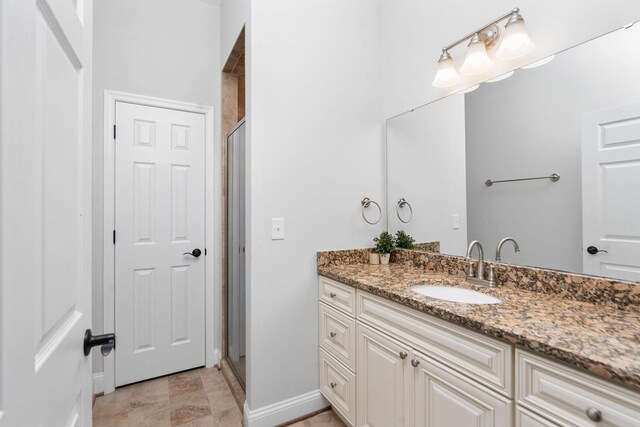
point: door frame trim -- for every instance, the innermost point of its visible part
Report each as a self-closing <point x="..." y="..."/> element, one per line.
<point x="213" y="197"/>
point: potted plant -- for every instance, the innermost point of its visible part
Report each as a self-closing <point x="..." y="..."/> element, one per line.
<point x="385" y="244"/>
<point x="404" y="241"/>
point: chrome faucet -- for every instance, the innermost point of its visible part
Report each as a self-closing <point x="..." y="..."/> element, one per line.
<point x="502" y="242"/>
<point x="479" y="277"/>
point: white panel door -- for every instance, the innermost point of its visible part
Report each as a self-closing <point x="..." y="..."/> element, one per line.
<point x="444" y="398"/>
<point x="159" y="219"/>
<point x="611" y="192"/>
<point x="45" y="212"/>
<point x="384" y="381"/>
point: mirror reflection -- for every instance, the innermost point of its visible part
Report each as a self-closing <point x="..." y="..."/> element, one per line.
<point x="459" y="169"/>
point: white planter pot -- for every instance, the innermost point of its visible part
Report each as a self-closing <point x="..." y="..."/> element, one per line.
<point x="374" y="258"/>
<point x="384" y="259"/>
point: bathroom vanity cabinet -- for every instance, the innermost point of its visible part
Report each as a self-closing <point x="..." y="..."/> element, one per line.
<point x="384" y="364"/>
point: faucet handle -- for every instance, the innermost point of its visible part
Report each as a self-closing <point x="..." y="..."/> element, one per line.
<point x="492" y="276"/>
<point x="471" y="273"/>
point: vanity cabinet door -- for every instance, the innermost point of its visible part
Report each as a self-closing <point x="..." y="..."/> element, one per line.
<point x="444" y="398"/>
<point x="385" y="381"/>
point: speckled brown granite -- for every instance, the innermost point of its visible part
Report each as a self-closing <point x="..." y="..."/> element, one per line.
<point x="602" y="338"/>
<point x="427" y="247"/>
<point x="573" y="286"/>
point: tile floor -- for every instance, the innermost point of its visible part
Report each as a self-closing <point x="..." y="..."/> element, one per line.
<point x="195" y="398"/>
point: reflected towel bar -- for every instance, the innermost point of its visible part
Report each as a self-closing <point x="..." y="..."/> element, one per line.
<point x="553" y="177"/>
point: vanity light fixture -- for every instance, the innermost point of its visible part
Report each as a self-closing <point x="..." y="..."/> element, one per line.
<point x="477" y="60"/>
<point x="515" y="43"/>
<point x="447" y="74"/>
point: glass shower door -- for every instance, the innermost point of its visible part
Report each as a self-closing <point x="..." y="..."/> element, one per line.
<point x="236" y="306"/>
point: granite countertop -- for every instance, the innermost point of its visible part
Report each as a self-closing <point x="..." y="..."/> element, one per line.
<point x="600" y="338"/>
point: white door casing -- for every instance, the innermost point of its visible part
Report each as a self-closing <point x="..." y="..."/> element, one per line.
<point x="45" y="212"/>
<point x="159" y="219"/>
<point x="611" y="191"/>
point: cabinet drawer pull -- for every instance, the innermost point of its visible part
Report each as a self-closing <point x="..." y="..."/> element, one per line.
<point x="403" y="355"/>
<point x="333" y="334"/>
<point x="333" y="385"/>
<point x="594" y="414"/>
<point x="333" y="294"/>
<point x="415" y="363"/>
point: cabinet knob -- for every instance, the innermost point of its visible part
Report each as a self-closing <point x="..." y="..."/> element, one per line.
<point x="332" y="294"/>
<point x="333" y="334"/>
<point x="594" y="414"/>
<point x="403" y="355"/>
<point x="333" y="385"/>
<point x="415" y="363"/>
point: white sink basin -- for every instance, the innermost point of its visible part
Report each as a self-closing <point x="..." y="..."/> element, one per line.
<point x="449" y="293"/>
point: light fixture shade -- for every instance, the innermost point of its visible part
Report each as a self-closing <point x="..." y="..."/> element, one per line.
<point x="476" y="61"/>
<point x="447" y="75"/>
<point x="515" y="41"/>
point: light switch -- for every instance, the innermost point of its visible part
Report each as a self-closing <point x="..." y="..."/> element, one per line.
<point x="277" y="228"/>
<point x="455" y="222"/>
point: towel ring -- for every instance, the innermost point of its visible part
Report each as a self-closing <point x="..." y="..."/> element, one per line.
<point x="366" y="202"/>
<point x="401" y="204"/>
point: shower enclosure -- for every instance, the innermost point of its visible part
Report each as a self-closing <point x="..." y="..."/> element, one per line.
<point x="236" y="306"/>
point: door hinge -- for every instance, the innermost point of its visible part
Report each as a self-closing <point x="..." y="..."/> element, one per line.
<point x="114" y="237"/>
<point x="114" y="132"/>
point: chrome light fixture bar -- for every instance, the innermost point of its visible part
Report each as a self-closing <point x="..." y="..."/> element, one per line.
<point x="514" y="43"/>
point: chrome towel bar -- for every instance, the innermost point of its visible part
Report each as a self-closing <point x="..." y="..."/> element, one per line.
<point x="553" y="177"/>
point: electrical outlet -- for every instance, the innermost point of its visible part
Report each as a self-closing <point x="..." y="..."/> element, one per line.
<point x="455" y="222"/>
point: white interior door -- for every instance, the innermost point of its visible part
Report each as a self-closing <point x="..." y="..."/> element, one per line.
<point x="159" y="219"/>
<point x="45" y="212"/>
<point x="611" y="192"/>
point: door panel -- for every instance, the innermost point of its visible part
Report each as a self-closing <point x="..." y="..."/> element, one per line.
<point x="444" y="398"/>
<point x="610" y="179"/>
<point x="385" y="381"/>
<point x="159" y="219"/>
<point x="45" y="209"/>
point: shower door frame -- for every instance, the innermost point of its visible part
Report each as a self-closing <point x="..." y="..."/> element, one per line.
<point x="226" y="284"/>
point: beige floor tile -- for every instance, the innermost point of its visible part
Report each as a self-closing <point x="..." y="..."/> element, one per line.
<point x="153" y="415"/>
<point x="149" y="392"/>
<point x="116" y="403"/>
<point x="189" y="407"/>
<point x="325" y="419"/>
<point x="185" y="382"/>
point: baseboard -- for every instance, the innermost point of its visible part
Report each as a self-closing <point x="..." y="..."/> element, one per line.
<point x="98" y="382"/>
<point x="285" y="410"/>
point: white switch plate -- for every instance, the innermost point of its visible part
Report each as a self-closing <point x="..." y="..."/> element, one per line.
<point x="277" y="228"/>
<point x="455" y="222"/>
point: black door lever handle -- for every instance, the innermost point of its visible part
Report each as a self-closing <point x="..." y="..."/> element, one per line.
<point x="107" y="342"/>
<point x="195" y="253"/>
<point x="593" y="250"/>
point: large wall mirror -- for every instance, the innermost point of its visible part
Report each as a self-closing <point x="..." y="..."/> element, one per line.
<point x="576" y="117"/>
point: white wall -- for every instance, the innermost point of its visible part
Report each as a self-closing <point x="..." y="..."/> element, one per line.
<point x="426" y="166"/>
<point x="234" y="14"/>
<point x="533" y="128"/>
<point x="415" y="32"/>
<point x="315" y="130"/>
<point x="162" y="48"/>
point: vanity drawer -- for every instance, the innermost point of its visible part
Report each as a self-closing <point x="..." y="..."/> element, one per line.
<point x="564" y="395"/>
<point x="487" y="360"/>
<point x="337" y="295"/>
<point x="525" y="418"/>
<point x="338" y="335"/>
<point x="338" y="385"/>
